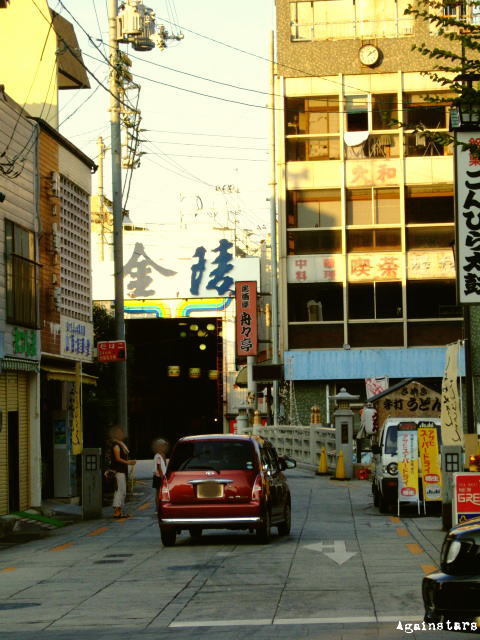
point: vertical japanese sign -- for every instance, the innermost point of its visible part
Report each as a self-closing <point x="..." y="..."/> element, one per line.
<point x="452" y="430"/>
<point x="246" y="322"/>
<point x="407" y="447"/>
<point x="76" y="405"/>
<point x="429" y="458"/>
<point x="466" y="497"/>
<point x="467" y="220"/>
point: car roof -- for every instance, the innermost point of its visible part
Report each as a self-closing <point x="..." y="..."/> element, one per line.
<point x="221" y="436"/>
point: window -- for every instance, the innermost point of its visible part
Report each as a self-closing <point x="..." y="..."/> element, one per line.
<point x="21" y="275"/>
<point x="315" y="302"/>
<point x="428" y="204"/>
<point x="356" y="113"/>
<point x="301" y="149"/>
<point x="220" y="455"/>
<point x="375" y="334"/>
<point x="314" y="208"/>
<point x="426" y="334"/>
<point x="420" y="110"/>
<point x="311" y="115"/>
<point x="373" y="206"/>
<point x="432" y="299"/>
<point x="316" y="336"/>
<point x="364" y="240"/>
<point x="376" y="300"/>
<point x="305" y="242"/>
<point x="430" y="237"/>
<point x="419" y="144"/>
<point x="384" y="111"/>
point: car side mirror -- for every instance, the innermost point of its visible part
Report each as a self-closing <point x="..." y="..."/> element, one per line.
<point x="287" y="463"/>
<point x="376" y="449"/>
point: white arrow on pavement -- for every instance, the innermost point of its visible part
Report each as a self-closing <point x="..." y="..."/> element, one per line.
<point x="336" y="550"/>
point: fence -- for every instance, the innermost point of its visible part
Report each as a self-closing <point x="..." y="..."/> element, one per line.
<point x="304" y="444"/>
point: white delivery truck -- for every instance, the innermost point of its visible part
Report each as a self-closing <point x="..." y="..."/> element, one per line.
<point x="406" y="405"/>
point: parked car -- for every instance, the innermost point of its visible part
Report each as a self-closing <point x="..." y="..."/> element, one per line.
<point x="454" y="592"/>
<point x="224" y="482"/>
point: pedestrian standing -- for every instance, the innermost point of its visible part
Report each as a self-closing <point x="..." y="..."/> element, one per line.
<point x="120" y="463"/>
<point x="160" y="448"/>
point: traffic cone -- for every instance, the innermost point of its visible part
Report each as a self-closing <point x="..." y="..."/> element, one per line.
<point x="340" y="468"/>
<point x="322" y="465"/>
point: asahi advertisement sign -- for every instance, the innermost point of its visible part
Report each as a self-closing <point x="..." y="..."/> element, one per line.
<point x="468" y="219"/>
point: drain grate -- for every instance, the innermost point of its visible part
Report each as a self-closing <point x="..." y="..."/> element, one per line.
<point x="119" y="555"/>
<point x="112" y="561"/>
<point x="4" y="606"/>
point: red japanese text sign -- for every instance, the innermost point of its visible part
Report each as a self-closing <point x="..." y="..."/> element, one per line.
<point x="246" y="322"/>
<point x="111" y="351"/>
<point x="466" y="496"/>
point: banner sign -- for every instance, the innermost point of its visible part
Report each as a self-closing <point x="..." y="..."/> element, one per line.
<point x="451" y="419"/>
<point x="374" y="386"/>
<point x="407" y="447"/>
<point x="467" y="204"/>
<point x="315" y="268"/>
<point x="111" y="351"/>
<point x="76" y="339"/>
<point x="246" y="319"/>
<point x="466" y="497"/>
<point x="429" y="458"/>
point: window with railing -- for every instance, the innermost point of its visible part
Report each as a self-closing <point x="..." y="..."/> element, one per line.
<point x="21" y="276"/>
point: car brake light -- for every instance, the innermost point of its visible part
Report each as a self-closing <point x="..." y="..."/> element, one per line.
<point x="164" y="492"/>
<point x="257" y="490"/>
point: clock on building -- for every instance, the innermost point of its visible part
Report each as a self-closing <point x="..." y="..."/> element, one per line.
<point x="369" y="55"/>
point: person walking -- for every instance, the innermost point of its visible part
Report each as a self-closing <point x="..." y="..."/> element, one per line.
<point x="160" y="448"/>
<point x="119" y="464"/>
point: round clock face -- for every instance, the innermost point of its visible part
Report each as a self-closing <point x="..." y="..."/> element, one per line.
<point x="369" y="55"/>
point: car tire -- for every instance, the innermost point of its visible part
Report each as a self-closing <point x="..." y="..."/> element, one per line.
<point x="195" y="532"/>
<point x="263" y="532"/>
<point x="285" y="526"/>
<point x="168" y="537"/>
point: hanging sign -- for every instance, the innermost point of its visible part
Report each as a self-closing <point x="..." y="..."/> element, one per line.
<point x="246" y="320"/>
<point x="111" y="351"/>
<point x="467" y="222"/>
<point x="466" y="496"/>
<point x="407" y="447"/>
<point x="429" y="458"/>
<point x="451" y="419"/>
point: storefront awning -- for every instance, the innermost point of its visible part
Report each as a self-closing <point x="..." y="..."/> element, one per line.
<point x="67" y="375"/>
<point x="19" y="364"/>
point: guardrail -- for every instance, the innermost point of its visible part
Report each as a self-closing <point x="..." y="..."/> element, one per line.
<point x="304" y="444"/>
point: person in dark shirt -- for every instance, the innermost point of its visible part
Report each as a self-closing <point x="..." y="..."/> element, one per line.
<point x="119" y="464"/>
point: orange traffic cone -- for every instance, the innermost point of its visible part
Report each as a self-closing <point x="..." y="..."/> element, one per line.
<point x="322" y="465"/>
<point x="340" y="468"/>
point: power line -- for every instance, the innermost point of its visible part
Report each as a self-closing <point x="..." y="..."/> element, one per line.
<point x="213" y="135"/>
<point x="210" y="146"/>
<point x="183" y="155"/>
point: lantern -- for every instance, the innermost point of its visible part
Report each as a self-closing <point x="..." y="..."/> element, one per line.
<point x="173" y="371"/>
<point x="194" y="373"/>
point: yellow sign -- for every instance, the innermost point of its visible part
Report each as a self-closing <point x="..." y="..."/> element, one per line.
<point x="77" y="426"/>
<point x="429" y="457"/>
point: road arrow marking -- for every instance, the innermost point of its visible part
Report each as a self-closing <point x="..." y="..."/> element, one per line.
<point x="336" y="550"/>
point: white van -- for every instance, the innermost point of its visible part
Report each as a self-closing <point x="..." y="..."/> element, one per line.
<point x="385" y="459"/>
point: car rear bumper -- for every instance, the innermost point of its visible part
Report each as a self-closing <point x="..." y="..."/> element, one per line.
<point x="455" y="598"/>
<point x="209" y="522"/>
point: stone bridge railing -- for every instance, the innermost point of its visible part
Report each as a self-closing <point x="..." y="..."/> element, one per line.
<point x="304" y="444"/>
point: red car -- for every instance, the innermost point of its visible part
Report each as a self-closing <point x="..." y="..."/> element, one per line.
<point x="224" y="482"/>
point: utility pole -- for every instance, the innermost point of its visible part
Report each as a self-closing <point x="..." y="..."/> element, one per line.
<point x="116" y="150"/>
<point x="273" y="227"/>
<point x="100" y="195"/>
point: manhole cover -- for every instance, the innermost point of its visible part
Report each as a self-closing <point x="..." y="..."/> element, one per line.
<point x="17" y="605"/>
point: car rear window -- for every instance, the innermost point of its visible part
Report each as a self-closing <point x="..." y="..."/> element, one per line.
<point x="219" y="455"/>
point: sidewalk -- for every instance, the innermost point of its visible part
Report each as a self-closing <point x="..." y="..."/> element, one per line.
<point x="38" y="522"/>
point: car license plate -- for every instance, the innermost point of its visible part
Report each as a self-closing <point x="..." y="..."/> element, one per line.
<point x="209" y="490"/>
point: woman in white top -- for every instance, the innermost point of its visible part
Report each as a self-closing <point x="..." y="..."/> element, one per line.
<point x="160" y="447"/>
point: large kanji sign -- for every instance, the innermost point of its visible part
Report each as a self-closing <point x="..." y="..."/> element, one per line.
<point x="246" y="321"/>
<point x="467" y="220"/>
<point x="466" y="497"/>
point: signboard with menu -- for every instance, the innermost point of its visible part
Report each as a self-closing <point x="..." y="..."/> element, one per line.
<point x="466" y="496"/>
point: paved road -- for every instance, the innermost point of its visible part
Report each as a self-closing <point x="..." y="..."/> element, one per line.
<point x="345" y="572"/>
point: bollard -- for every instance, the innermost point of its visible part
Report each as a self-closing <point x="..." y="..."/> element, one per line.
<point x="322" y="465"/>
<point x="340" y="468"/>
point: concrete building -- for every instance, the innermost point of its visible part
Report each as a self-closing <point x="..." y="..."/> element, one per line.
<point x="365" y="206"/>
<point x="19" y="312"/>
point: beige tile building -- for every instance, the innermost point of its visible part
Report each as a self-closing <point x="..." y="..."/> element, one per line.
<point x="366" y="204"/>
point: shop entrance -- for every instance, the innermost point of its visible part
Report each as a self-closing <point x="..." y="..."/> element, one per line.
<point x="13" y="462"/>
<point x="174" y="379"/>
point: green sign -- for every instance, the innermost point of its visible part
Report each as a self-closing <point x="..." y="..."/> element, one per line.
<point x="24" y="342"/>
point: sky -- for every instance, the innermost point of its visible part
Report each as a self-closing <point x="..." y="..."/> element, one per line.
<point x="230" y="140"/>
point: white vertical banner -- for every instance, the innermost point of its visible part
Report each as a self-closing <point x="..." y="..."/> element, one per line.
<point x="451" y="419"/>
<point x="467" y="219"/>
<point x="374" y="386"/>
<point x="407" y="448"/>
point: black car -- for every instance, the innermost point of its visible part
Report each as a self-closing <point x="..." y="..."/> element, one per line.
<point x="453" y="593"/>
